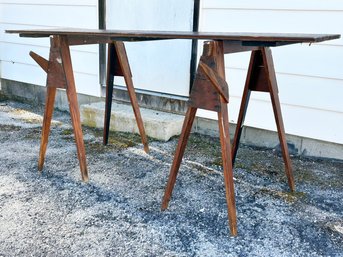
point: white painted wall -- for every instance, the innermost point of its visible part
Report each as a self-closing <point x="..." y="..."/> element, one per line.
<point x="166" y="64"/>
<point x="156" y="66"/>
<point x="15" y="62"/>
<point x="310" y="78"/>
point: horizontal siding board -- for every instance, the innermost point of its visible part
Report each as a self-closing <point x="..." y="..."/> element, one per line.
<point x="59" y="16"/>
<point x="306" y="92"/>
<point x="314" y="93"/>
<point x="276" y="5"/>
<point x="310" y="123"/>
<point x="273" y="21"/>
<point x="317" y="61"/>
<point x="50" y="2"/>
<point x="30" y="14"/>
<point x="23" y="73"/>
<point x="305" y="122"/>
<point x="82" y="62"/>
<point x="299" y="59"/>
<point x="85" y="83"/>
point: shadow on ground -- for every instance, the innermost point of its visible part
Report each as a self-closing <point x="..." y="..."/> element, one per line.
<point x="118" y="212"/>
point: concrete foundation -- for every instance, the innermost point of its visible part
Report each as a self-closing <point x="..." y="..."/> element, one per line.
<point x="269" y="139"/>
<point x="163" y="125"/>
<point x="36" y="94"/>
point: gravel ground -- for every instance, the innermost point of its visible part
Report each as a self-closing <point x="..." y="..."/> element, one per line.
<point x="118" y="212"/>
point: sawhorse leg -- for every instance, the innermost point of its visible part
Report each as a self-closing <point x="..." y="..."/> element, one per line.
<point x="180" y="150"/>
<point x="118" y="65"/>
<point x="60" y="75"/>
<point x="209" y="92"/>
<point x="261" y="77"/>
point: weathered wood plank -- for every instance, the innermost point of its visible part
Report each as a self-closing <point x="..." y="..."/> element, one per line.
<point x="104" y="35"/>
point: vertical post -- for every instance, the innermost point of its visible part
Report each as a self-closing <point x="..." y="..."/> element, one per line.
<point x="102" y="47"/>
<point x="193" y="65"/>
<point x="109" y="91"/>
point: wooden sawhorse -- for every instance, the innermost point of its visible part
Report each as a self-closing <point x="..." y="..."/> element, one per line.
<point x="210" y="92"/>
<point x="60" y="75"/>
<point x="261" y="78"/>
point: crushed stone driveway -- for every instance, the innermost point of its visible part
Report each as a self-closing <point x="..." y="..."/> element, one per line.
<point x="117" y="213"/>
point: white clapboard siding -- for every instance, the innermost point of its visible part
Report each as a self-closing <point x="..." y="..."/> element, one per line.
<point x="294" y="5"/>
<point x="299" y="60"/>
<point x="51" y="2"/>
<point x="291" y="90"/>
<point x="17" y="65"/>
<point x="245" y="20"/>
<point x="156" y="66"/>
<point x="260" y="115"/>
<point x="310" y="78"/>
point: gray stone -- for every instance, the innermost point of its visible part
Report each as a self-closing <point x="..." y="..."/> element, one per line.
<point x="159" y="125"/>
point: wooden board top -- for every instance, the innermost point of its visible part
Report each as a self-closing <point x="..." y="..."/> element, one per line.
<point x="142" y="35"/>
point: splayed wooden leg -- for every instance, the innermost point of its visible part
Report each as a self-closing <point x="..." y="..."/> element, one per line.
<point x="180" y="150"/>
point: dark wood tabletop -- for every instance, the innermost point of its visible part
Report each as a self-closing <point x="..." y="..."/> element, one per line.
<point x="143" y="35"/>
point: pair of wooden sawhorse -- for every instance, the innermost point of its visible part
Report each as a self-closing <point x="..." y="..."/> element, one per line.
<point x="210" y="92"/>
